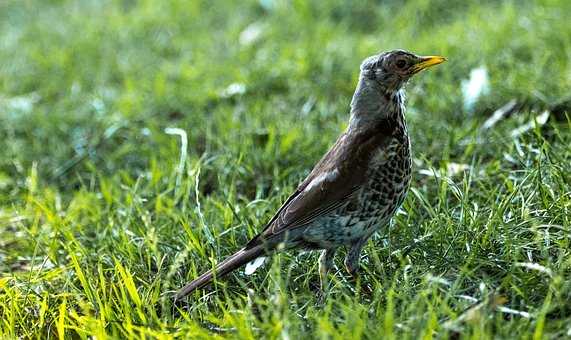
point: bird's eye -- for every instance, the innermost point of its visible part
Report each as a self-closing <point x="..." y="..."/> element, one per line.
<point x="401" y="63"/>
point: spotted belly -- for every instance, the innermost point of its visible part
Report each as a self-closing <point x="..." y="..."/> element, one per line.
<point x="373" y="211"/>
<point x="337" y="230"/>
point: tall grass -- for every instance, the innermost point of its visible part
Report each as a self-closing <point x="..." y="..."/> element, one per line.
<point x="104" y="212"/>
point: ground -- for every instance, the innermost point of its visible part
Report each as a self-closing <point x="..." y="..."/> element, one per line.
<point x="143" y="141"/>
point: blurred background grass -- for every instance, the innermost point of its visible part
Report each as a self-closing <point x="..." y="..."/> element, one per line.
<point x="99" y="219"/>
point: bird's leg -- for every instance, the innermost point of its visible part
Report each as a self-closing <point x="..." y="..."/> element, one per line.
<point x="325" y="263"/>
<point x="352" y="261"/>
<point x="353" y="258"/>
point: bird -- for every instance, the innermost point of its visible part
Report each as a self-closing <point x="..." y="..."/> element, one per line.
<point x="357" y="186"/>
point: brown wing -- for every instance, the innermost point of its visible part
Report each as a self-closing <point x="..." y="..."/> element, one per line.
<point x="330" y="185"/>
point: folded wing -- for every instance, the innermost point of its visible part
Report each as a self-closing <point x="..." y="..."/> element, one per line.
<point x="332" y="184"/>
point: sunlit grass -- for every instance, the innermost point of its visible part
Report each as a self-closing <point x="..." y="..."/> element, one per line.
<point x="101" y="221"/>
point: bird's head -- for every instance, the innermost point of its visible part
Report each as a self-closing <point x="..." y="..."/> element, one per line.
<point x="391" y="70"/>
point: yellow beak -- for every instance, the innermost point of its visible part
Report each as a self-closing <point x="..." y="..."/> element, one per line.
<point x="426" y="62"/>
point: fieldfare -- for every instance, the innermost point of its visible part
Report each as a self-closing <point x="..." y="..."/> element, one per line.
<point x="357" y="187"/>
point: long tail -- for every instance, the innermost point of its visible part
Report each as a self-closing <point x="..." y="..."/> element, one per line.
<point x="232" y="262"/>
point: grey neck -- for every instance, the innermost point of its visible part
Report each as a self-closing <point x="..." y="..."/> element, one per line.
<point x="372" y="103"/>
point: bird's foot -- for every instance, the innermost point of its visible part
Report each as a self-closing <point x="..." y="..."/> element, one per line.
<point x="321" y="298"/>
<point x="360" y="287"/>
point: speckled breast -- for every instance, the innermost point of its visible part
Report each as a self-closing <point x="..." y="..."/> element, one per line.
<point x="389" y="178"/>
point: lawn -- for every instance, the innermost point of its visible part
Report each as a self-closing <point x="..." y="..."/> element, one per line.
<point x="143" y="141"/>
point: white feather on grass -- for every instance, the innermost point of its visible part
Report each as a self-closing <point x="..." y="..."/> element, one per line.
<point x="476" y="86"/>
<point x="252" y="266"/>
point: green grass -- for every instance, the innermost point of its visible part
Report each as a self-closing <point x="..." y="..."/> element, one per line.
<point x="100" y="221"/>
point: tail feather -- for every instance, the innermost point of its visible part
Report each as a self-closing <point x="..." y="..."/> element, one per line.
<point x="232" y="262"/>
